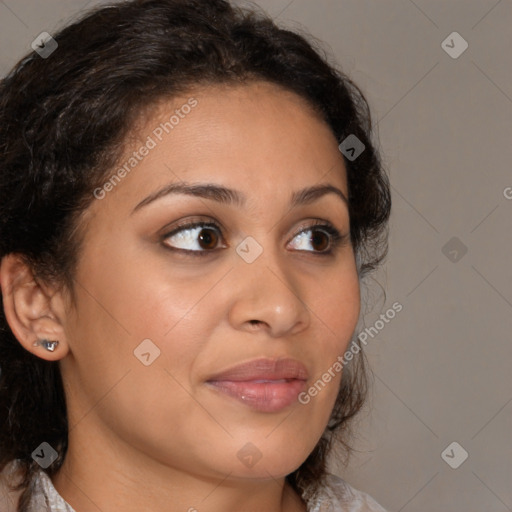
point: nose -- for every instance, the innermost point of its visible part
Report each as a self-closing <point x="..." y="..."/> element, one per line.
<point x="267" y="296"/>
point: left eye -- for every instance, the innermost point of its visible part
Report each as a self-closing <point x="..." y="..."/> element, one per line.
<point x="319" y="239"/>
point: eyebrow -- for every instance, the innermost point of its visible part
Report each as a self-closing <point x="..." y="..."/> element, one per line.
<point x="229" y="196"/>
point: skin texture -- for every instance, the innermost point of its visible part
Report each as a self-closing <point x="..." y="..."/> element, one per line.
<point x="157" y="437"/>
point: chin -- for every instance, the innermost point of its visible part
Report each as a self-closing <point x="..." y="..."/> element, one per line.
<point x="273" y="470"/>
<point x="269" y="462"/>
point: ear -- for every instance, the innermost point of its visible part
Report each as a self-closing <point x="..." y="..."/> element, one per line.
<point x="34" y="311"/>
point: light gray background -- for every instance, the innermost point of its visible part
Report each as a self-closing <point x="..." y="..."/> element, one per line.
<point x="442" y="365"/>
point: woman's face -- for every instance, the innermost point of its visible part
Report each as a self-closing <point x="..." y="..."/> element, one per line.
<point x="165" y="311"/>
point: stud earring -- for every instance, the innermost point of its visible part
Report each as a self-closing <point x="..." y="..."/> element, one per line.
<point x="47" y="344"/>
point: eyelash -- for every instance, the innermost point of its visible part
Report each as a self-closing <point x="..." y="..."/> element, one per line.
<point x="337" y="239"/>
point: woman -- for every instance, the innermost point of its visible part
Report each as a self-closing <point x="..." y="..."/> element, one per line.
<point x="189" y="199"/>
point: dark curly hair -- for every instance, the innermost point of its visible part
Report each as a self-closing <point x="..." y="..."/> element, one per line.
<point x="63" y="123"/>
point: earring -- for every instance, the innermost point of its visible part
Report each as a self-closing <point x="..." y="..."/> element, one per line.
<point x="48" y="345"/>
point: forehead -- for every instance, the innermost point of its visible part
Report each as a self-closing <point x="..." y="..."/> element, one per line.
<point x="255" y="137"/>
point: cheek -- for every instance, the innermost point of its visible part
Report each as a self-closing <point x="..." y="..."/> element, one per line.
<point x="134" y="340"/>
<point x="121" y="304"/>
<point x="335" y="305"/>
<point x="336" y="312"/>
<point x="139" y="295"/>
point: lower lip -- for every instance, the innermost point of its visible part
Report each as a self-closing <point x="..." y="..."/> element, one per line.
<point x="270" y="396"/>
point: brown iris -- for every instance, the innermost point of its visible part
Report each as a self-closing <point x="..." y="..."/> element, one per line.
<point x="320" y="238"/>
<point x="208" y="238"/>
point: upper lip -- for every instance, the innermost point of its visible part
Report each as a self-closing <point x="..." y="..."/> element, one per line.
<point x="264" y="369"/>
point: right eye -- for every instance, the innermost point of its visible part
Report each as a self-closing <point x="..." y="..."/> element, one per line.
<point x="198" y="238"/>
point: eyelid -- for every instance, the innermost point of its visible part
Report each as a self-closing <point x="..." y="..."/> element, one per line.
<point x="191" y="224"/>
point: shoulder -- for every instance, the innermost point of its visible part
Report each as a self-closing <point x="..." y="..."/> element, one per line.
<point x="336" y="495"/>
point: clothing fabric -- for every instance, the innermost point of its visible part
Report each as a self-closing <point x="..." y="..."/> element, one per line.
<point x="335" y="495"/>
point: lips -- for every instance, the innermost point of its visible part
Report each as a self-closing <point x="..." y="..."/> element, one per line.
<point x="266" y="385"/>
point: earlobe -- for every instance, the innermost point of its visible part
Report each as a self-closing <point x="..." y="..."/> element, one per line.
<point x="28" y="310"/>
